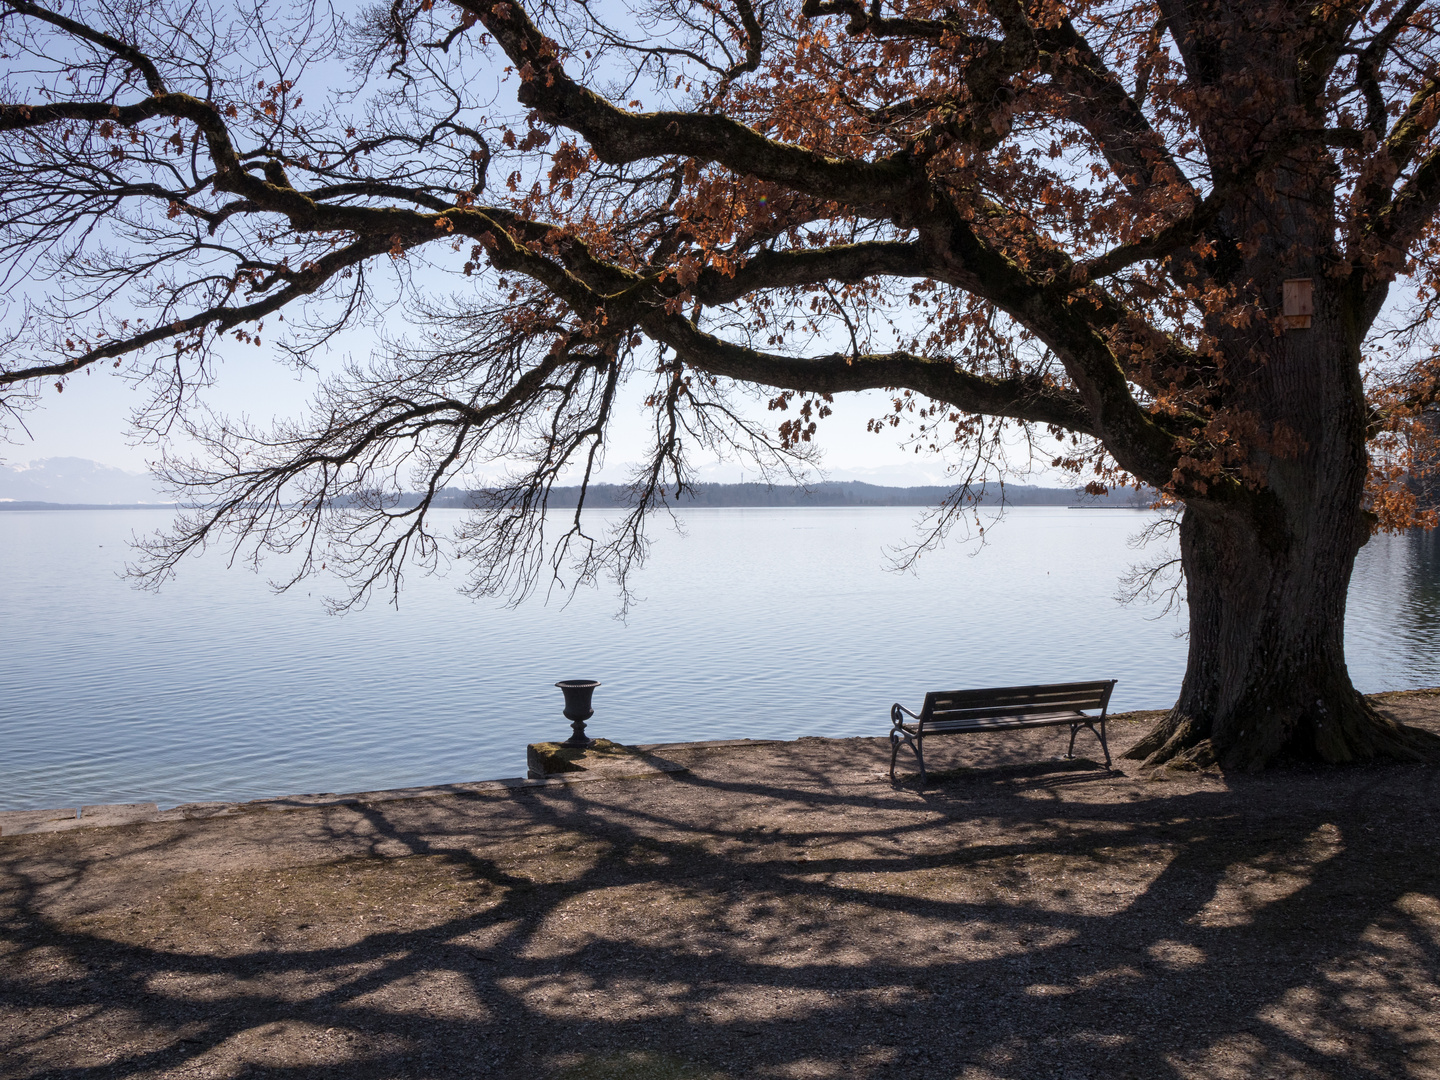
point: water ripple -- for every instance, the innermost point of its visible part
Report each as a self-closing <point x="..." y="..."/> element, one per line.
<point x="768" y="622"/>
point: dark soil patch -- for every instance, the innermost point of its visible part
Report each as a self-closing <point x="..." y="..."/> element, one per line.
<point x="778" y="911"/>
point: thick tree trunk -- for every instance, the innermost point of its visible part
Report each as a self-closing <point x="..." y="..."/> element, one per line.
<point x="1267" y="574"/>
<point x="1266" y="679"/>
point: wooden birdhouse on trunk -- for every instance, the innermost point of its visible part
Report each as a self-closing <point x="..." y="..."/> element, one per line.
<point x="1298" y="303"/>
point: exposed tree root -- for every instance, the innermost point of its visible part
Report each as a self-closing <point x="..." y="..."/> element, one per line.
<point x="1359" y="733"/>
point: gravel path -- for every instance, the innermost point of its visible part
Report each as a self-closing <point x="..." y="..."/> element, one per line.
<point x="778" y="910"/>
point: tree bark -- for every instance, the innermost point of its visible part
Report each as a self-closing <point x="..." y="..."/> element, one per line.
<point x="1266" y="679"/>
<point x="1267" y="577"/>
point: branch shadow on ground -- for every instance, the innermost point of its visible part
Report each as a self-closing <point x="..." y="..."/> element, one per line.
<point x="1005" y="923"/>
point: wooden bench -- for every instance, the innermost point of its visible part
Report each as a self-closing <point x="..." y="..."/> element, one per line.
<point x="1001" y="708"/>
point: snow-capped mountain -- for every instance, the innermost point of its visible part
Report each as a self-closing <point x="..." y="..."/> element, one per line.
<point x="76" y="480"/>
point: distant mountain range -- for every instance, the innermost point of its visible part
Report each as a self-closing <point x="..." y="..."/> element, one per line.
<point x="77" y="483"/>
<point x="76" y="480"/>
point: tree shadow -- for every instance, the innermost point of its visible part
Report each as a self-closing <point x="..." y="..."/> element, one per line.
<point x="1018" y="922"/>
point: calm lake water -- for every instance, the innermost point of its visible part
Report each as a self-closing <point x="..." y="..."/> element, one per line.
<point x="757" y="622"/>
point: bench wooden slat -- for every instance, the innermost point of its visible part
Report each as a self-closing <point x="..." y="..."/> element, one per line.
<point x="1042" y="709"/>
<point x="1000" y="723"/>
<point x="1083" y="695"/>
<point x="1036" y="691"/>
<point x="1003" y="708"/>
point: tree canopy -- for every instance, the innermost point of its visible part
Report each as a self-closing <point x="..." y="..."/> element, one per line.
<point x="1194" y="241"/>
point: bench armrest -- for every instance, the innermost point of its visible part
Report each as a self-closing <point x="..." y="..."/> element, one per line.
<point x="896" y="710"/>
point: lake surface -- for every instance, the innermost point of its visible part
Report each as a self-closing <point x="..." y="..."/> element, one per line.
<point x="757" y="623"/>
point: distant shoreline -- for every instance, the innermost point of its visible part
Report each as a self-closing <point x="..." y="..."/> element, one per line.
<point x="834" y="493"/>
<point x="31" y="504"/>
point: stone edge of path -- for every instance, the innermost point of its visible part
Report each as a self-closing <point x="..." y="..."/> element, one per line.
<point x="105" y="815"/>
<point x="24" y="822"/>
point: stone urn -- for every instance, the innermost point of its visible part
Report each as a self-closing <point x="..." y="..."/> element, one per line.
<point x="577" y="708"/>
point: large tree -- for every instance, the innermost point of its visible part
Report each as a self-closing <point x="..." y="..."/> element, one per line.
<point x="1080" y="220"/>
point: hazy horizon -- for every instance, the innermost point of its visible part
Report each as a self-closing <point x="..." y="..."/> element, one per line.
<point x="78" y="480"/>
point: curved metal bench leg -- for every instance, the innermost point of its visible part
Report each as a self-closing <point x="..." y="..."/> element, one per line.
<point x="1099" y="733"/>
<point x="914" y="742"/>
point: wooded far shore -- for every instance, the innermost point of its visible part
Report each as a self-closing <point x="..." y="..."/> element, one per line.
<point x="828" y="493"/>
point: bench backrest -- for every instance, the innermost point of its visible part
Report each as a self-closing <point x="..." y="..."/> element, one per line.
<point x="1016" y="700"/>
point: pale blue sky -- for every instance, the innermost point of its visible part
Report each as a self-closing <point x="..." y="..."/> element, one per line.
<point x="89" y="420"/>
